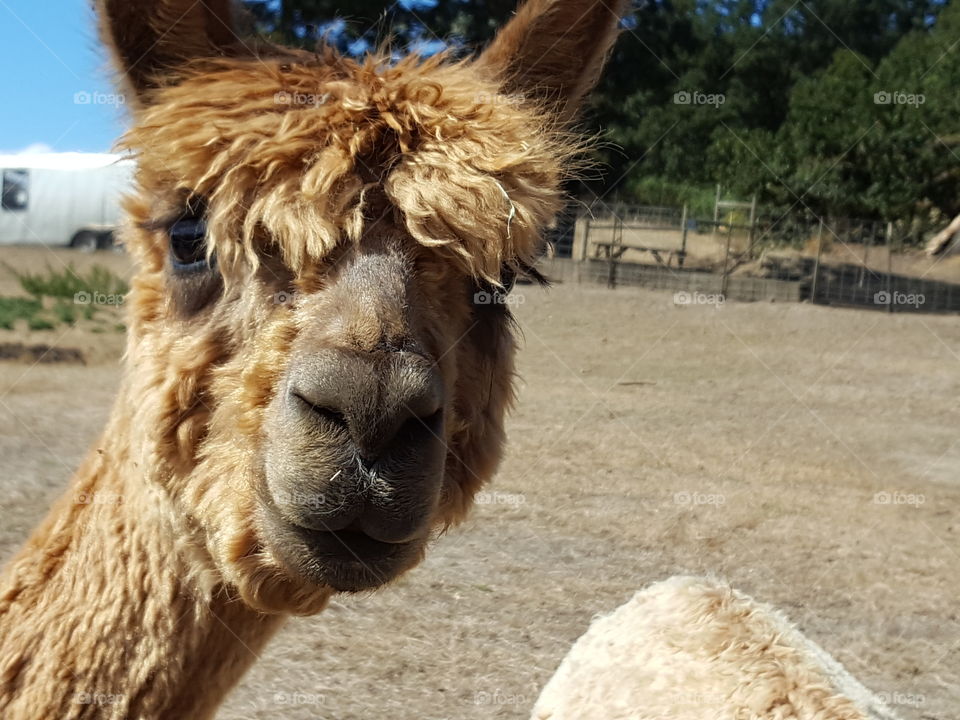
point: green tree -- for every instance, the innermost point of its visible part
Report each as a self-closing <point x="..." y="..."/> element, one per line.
<point x="797" y="122"/>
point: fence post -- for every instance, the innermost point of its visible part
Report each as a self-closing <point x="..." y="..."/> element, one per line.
<point x="816" y="265"/>
<point x="890" y="302"/>
<point x="753" y="226"/>
<point x="683" y="238"/>
<point x="726" y="259"/>
<point x="581" y="238"/>
<point x="615" y="242"/>
<point x="866" y="255"/>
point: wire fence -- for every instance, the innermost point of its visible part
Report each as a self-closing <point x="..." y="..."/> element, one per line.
<point x="828" y="260"/>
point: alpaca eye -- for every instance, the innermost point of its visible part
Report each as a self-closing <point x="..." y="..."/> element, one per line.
<point x="508" y="278"/>
<point x="487" y="293"/>
<point x="493" y="296"/>
<point x="188" y="243"/>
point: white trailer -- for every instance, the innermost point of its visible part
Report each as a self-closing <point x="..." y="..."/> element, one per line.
<point x="70" y="199"/>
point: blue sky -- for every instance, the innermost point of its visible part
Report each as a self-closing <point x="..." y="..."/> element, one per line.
<point x="55" y="86"/>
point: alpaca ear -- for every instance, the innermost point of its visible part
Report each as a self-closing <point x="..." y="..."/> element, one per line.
<point x="148" y="39"/>
<point x="554" y="50"/>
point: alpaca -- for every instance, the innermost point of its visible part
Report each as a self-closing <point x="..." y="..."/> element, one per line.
<point x="692" y="648"/>
<point x="310" y="392"/>
<point x="945" y="242"/>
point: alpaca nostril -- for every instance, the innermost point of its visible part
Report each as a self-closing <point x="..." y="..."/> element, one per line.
<point x="377" y="402"/>
<point x="401" y="433"/>
<point x="417" y="426"/>
<point x="330" y="415"/>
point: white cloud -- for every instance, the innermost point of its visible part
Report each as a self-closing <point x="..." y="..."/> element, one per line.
<point x="34" y="149"/>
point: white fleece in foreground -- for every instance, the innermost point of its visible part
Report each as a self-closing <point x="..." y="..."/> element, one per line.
<point x="695" y="649"/>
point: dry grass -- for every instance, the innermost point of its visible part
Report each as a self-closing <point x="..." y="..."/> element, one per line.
<point x="783" y="421"/>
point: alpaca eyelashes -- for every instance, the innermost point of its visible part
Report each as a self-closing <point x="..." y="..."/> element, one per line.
<point x="508" y="278"/>
<point x="188" y="244"/>
<point x="187" y="234"/>
<point x="193" y="284"/>
<point x="509" y="275"/>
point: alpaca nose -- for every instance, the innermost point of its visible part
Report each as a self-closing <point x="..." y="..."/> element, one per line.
<point x="385" y="403"/>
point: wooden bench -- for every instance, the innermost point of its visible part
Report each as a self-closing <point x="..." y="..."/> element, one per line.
<point x="615" y="251"/>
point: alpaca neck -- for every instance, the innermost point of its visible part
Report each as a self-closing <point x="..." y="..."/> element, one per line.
<point x="99" y="616"/>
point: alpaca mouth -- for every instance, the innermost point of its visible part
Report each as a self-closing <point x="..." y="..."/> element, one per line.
<point x="346" y="560"/>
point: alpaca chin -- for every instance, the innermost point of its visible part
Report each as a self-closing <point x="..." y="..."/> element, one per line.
<point x="344" y="560"/>
<point x="264" y="584"/>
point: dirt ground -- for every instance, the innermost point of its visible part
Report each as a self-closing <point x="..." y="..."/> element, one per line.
<point x="809" y="455"/>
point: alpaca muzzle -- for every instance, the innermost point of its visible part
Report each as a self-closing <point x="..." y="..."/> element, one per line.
<point x="354" y="465"/>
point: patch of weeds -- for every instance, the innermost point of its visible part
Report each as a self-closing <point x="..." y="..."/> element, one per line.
<point x="39" y="323"/>
<point x="13" y="309"/>
<point x="68" y="282"/>
<point x="65" y="313"/>
<point x="62" y="297"/>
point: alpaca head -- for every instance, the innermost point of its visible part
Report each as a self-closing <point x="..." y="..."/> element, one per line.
<point x="312" y="378"/>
